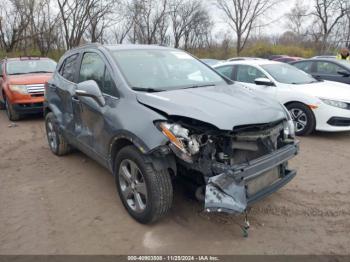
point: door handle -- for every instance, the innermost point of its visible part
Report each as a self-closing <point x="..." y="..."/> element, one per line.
<point x="75" y="99"/>
<point x="53" y="87"/>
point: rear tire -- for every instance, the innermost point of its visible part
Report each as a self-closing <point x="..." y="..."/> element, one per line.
<point x="58" y="144"/>
<point x="11" y="112"/>
<point x="146" y="193"/>
<point x="2" y="105"/>
<point x="304" y="118"/>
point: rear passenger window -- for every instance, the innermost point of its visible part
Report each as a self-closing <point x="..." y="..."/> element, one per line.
<point x="68" y="67"/>
<point x="94" y="68"/>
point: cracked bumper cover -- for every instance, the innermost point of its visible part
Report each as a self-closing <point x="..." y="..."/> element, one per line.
<point x="229" y="191"/>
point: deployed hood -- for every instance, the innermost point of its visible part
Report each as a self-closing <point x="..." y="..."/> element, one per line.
<point x="327" y="89"/>
<point x="225" y="107"/>
<point x="27" y="79"/>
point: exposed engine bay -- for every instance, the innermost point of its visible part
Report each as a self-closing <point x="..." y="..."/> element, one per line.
<point x="223" y="158"/>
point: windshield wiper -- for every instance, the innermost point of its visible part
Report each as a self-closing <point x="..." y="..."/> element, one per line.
<point x="147" y="89"/>
<point x="198" y="86"/>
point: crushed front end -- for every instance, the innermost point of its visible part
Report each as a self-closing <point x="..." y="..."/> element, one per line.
<point x="233" y="169"/>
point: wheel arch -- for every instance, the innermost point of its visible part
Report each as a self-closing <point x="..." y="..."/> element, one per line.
<point x="306" y="105"/>
<point x="159" y="162"/>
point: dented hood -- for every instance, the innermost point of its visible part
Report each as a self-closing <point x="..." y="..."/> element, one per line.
<point x="225" y="107"/>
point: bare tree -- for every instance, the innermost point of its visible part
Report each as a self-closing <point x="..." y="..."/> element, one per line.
<point x="328" y="14"/>
<point x="100" y="18"/>
<point x="185" y="16"/>
<point x="297" y="18"/>
<point x="198" y="34"/>
<point x="45" y="27"/>
<point x="78" y="16"/>
<point x="150" y="21"/>
<point x="14" y="21"/>
<point x="122" y="22"/>
<point x="242" y="16"/>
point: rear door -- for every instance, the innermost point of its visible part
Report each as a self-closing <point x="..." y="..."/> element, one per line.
<point x="60" y="91"/>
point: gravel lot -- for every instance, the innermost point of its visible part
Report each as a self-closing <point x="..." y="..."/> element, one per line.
<point x="68" y="205"/>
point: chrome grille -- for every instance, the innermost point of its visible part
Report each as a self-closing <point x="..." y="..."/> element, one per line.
<point x="36" y="89"/>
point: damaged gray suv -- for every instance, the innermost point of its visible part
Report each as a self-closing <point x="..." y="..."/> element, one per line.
<point x="150" y="114"/>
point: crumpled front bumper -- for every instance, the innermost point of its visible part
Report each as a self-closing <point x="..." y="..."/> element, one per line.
<point x="241" y="185"/>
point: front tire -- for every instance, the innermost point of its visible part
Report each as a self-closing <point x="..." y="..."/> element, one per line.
<point x="11" y="112"/>
<point x="303" y="118"/>
<point x="146" y="193"/>
<point x="58" y="144"/>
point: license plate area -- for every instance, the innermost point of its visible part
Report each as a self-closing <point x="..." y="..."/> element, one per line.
<point x="263" y="181"/>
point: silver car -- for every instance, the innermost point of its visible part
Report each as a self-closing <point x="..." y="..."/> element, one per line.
<point x="153" y="114"/>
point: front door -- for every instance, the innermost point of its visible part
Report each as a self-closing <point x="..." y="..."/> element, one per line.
<point x="329" y="71"/>
<point x="246" y="75"/>
<point x="94" y="118"/>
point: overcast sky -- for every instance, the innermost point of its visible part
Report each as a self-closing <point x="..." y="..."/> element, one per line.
<point x="277" y="15"/>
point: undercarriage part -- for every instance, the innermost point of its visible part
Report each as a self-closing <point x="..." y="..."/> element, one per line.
<point x="223" y="194"/>
<point x="200" y="193"/>
<point x="246" y="225"/>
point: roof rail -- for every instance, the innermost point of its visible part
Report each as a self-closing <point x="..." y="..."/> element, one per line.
<point x="87" y="45"/>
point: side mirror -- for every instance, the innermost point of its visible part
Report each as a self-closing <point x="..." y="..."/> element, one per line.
<point x="90" y="89"/>
<point x="343" y="73"/>
<point x="264" y="82"/>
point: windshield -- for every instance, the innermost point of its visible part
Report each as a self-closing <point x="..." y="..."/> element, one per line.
<point x="161" y="70"/>
<point x="288" y="74"/>
<point x="20" y="67"/>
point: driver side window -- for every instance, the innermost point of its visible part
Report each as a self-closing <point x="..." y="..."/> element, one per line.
<point x="94" y="68"/>
<point x="248" y="74"/>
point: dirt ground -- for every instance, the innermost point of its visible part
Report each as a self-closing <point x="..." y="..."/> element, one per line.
<point x="68" y="205"/>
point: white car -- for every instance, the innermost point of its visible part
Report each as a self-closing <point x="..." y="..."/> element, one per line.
<point x="313" y="104"/>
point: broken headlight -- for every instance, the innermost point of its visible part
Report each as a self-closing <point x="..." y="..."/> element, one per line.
<point x="183" y="143"/>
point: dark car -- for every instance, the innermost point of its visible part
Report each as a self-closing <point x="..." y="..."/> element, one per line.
<point x="326" y="69"/>
<point x="151" y="114"/>
<point x="288" y="59"/>
<point x="274" y="57"/>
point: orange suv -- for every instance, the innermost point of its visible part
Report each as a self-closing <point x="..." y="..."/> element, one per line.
<point x="22" y="83"/>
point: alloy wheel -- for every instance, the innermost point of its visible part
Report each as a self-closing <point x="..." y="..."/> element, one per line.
<point x="52" y="136"/>
<point x="133" y="185"/>
<point x="300" y="119"/>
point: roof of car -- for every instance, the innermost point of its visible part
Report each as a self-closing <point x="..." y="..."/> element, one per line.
<point x="135" y="47"/>
<point x="251" y="62"/>
<point x="319" y="59"/>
